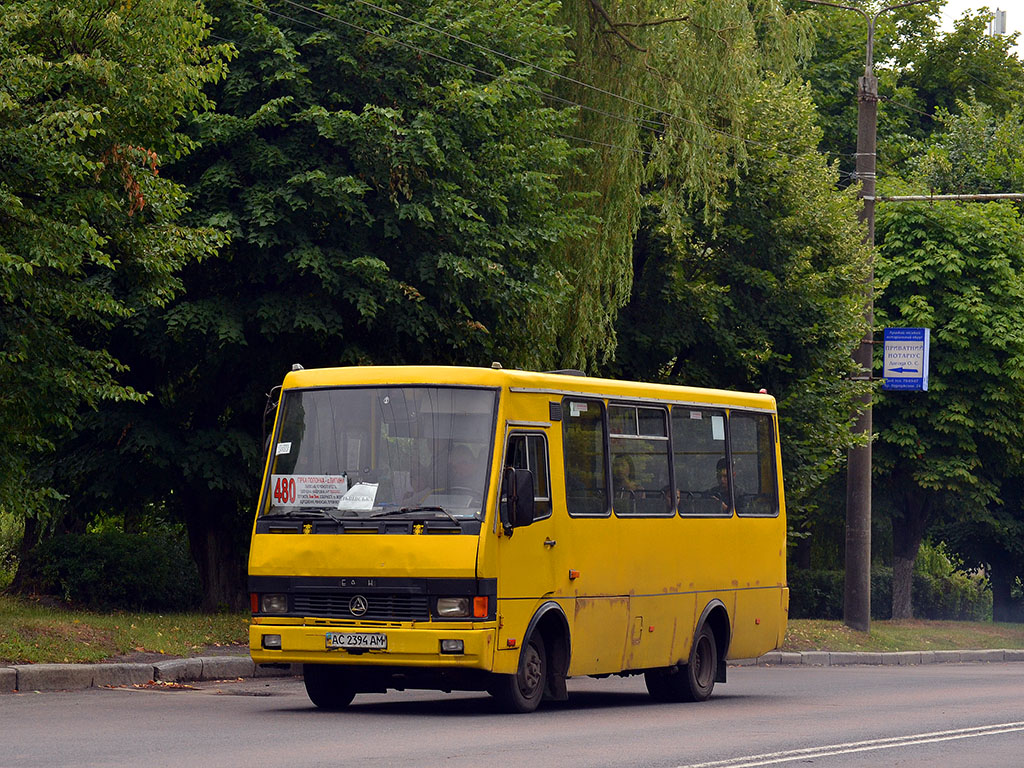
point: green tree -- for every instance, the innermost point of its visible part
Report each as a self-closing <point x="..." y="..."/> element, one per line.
<point x="980" y="150"/>
<point x="90" y="100"/>
<point x="959" y="270"/>
<point x="943" y="68"/>
<point x="665" y="89"/>
<point x="392" y="193"/>
<point x="769" y="297"/>
<point x="921" y="72"/>
<point x="837" y="62"/>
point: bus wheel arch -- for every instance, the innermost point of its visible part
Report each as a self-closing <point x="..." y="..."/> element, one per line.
<point x="544" y="651"/>
<point x="716" y="617"/>
<point x="695" y="680"/>
<point x="551" y="625"/>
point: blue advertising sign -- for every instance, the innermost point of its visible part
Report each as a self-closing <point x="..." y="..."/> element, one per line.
<point x="905" y="359"/>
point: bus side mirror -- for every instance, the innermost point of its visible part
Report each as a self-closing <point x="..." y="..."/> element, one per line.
<point x="517" y="493"/>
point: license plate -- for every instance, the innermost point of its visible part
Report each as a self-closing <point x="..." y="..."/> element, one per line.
<point x="371" y="641"/>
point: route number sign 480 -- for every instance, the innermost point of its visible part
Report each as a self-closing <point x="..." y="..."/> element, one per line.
<point x="284" y="490"/>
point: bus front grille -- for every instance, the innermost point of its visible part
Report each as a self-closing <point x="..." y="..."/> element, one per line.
<point x="377" y="607"/>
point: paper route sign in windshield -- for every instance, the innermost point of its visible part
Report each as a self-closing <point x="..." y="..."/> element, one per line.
<point x="308" y="490"/>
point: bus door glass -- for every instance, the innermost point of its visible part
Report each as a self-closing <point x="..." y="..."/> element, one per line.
<point x="532" y="558"/>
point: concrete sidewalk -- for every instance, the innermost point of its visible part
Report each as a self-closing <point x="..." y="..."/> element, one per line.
<point x="22" y="678"/>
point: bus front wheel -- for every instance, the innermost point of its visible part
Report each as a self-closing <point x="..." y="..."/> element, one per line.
<point x="693" y="682"/>
<point x="523" y="691"/>
<point x="327" y="687"/>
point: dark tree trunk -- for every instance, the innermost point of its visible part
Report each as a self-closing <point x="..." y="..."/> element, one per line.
<point x="216" y="540"/>
<point x="1002" y="575"/>
<point x="19" y="585"/>
<point x="802" y="554"/>
<point x="907" y="533"/>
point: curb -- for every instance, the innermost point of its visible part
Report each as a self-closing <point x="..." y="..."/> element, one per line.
<point x="897" y="658"/>
<point x="22" y="678"/>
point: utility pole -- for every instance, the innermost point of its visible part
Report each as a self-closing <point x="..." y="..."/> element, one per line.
<point x="857" y="589"/>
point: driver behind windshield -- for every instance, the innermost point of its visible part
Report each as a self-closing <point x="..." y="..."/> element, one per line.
<point x="462" y="469"/>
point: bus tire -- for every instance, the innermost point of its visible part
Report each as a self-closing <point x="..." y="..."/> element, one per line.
<point x="693" y="682"/>
<point x="522" y="692"/>
<point x="327" y="687"/>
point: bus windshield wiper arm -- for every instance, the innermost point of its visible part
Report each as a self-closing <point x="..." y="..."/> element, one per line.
<point x="414" y="510"/>
<point x="304" y="512"/>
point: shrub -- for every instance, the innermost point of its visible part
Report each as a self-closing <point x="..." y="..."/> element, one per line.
<point x="939" y="594"/>
<point x="815" y="594"/>
<point x="111" y="569"/>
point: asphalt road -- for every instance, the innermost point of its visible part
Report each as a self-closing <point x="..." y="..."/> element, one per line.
<point x="940" y="716"/>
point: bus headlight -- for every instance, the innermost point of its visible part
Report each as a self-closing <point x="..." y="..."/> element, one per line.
<point x="271" y="603"/>
<point x="453" y="607"/>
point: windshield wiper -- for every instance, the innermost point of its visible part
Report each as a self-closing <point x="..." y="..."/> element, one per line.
<point x="414" y="510"/>
<point x="301" y="512"/>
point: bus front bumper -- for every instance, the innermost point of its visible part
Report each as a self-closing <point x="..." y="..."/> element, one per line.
<point x="407" y="646"/>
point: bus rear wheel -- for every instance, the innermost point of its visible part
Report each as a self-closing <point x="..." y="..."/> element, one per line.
<point x="523" y="691"/>
<point x="693" y="682"/>
<point x="327" y="687"/>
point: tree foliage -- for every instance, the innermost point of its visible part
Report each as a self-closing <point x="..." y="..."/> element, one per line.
<point x="391" y="185"/>
<point x="922" y="72"/>
<point x="90" y="100"/>
<point x="958" y="270"/>
<point x="665" y="89"/>
<point x="770" y="297"/>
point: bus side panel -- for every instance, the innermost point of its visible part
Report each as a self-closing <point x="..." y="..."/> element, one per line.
<point x="759" y="623"/>
<point x="597" y="638"/>
<point x="661" y="628"/>
<point x="760" y="578"/>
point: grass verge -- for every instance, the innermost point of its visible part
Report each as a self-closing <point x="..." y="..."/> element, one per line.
<point x="912" y="635"/>
<point x="33" y="632"/>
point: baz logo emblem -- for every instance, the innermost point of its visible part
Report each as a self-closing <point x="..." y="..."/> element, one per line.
<point x="357" y="605"/>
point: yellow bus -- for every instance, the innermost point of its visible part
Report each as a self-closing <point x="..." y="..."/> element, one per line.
<point x="500" y="530"/>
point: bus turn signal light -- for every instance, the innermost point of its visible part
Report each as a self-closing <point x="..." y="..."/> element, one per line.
<point x="480" y="607"/>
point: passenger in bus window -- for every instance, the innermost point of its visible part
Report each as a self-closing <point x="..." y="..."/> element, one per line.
<point x="624" y="477"/>
<point x="624" y="484"/>
<point x="720" y="490"/>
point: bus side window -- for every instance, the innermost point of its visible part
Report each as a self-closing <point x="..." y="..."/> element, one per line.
<point x="640" y="460"/>
<point x="753" y="455"/>
<point x="530" y="451"/>
<point x="583" y="439"/>
<point x="698" y="450"/>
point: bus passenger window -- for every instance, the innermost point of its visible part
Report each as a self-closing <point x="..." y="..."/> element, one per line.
<point x="583" y="440"/>
<point x="753" y="456"/>
<point x="530" y="451"/>
<point x="640" y="460"/>
<point x="698" y="450"/>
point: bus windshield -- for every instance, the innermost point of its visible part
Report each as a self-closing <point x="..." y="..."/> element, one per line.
<point x="352" y="452"/>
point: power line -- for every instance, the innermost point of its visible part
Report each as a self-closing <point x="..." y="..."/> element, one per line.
<point x="892" y="101"/>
